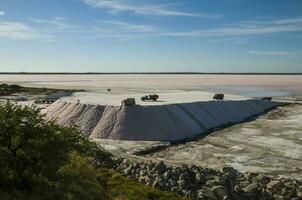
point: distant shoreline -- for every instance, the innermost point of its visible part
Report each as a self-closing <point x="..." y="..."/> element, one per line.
<point x="138" y="73"/>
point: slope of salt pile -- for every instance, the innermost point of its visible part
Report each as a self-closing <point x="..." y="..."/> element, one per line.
<point x="161" y="123"/>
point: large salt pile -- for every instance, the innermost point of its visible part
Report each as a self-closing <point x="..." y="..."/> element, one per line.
<point x="161" y="123"/>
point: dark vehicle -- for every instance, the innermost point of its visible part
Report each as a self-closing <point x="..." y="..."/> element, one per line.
<point x="267" y="98"/>
<point x="152" y="97"/>
<point x="218" y="96"/>
<point x="128" y="102"/>
<point x="108" y="90"/>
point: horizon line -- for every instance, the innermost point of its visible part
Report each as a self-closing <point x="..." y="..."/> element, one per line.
<point x="166" y="73"/>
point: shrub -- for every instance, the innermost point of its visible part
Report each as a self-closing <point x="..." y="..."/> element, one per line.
<point x="38" y="156"/>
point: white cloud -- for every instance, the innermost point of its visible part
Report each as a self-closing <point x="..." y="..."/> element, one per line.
<point x="275" y="53"/>
<point x="246" y="29"/>
<point x="123" y="30"/>
<point x="16" y="30"/>
<point x="2" y="13"/>
<point x="54" y="24"/>
<point x="115" y="6"/>
<point x="239" y="30"/>
<point x="128" y="27"/>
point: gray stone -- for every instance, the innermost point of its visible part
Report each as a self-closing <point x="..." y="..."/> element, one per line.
<point x="299" y="192"/>
<point x="161" y="167"/>
<point x="183" y="177"/>
<point x="209" y="193"/>
<point x="202" y="196"/>
<point x="241" y="185"/>
<point x="276" y="186"/>
<point x="262" y="179"/>
<point x="189" y="194"/>
<point x="212" y="183"/>
<point x="229" y="170"/>
<point x="251" y="189"/>
<point x="156" y="184"/>
<point x="220" y="192"/>
<point x="182" y="184"/>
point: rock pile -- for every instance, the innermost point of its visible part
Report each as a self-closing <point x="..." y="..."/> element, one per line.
<point x="203" y="183"/>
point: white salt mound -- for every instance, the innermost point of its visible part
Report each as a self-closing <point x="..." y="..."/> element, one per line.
<point x="154" y="123"/>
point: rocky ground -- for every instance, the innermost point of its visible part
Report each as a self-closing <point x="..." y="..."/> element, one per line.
<point x="203" y="183"/>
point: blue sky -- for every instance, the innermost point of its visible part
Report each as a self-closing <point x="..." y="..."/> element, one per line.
<point x="151" y="35"/>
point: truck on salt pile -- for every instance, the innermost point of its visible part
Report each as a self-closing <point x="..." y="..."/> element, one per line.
<point x="267" y="98"/>
<point x="128" y="102"/>
<point x="218" y="97"/>
<point x="152" y="97"/>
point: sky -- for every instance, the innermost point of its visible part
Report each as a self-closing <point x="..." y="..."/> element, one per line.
<point x="151" y="36"/>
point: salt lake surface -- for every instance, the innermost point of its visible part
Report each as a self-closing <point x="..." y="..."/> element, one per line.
<point x="245" y="85"/>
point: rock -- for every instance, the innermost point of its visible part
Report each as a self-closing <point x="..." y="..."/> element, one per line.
<point x="148" y="181"/>
<point x="220" y="192"/>
<point x="172" y="183"/>
<point x="262" y="179"/>
<point x="161" y="167"/>
<point x="299" y="192"/>
<point x="202" y="196"/>
<point x="229" y="170"/>
<point x="142" y="180"/>
<point x="127" y="171"/>
<point x="143" y="173"/>
<point x="183" y="177"/>
<point x="277" y="197"/>
<point x="167" y="174"/>
<point x="156" y="184"/>
<point x="208" y="192"/>
<point x="189" y="194"/>
<point x="228" y="180"/>
<point x="182" y="184"/>
<point x="212" y="183"/>
<point x="200" y="178"/>
<point x="266" y="194"/>
<point x="241" y="185"/>
<point x="251" y="189"/>
<point x="176" y="190"/>
<point x="288" y="192"/>
<point x="204" y="183"/>
<point x="275" y="186"/>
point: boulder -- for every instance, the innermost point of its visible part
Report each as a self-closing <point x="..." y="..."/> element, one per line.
<point x="230" y="170"/>
<point x="212" y="183"/>
<point x="220" y="192"/>
<point x="183" y="184"/>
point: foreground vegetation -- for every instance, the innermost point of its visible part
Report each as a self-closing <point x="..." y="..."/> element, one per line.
<point x="41" y="160"/>
<point x="6" y="89"/>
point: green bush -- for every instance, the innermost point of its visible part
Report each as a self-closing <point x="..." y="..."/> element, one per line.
<point x="40" y="160"/>
<point x="38" y="156"/>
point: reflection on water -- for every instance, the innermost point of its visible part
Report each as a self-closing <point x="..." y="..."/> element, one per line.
<point x="250" y="91"/>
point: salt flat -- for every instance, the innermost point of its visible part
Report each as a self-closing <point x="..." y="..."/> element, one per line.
<point x="153" y="83"/>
